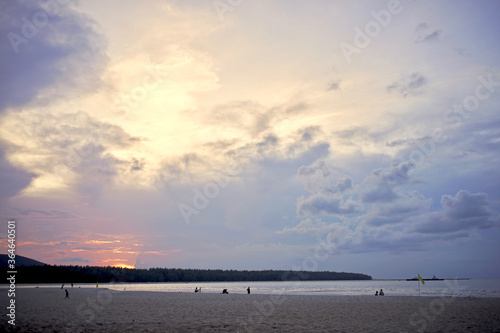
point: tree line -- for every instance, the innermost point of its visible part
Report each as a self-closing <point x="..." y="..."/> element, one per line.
<point x="92" y="274"/>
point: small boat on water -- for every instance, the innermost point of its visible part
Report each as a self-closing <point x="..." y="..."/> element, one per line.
<point x="434" y="278"/>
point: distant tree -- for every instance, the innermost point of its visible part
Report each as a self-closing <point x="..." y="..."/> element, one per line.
<point x="91" y="274"/>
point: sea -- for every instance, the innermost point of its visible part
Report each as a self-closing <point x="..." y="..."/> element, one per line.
<point x="453" y="288"/>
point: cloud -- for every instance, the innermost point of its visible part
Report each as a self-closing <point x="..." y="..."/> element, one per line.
<point x="379" y="215"/>
<point x="464" y="211"/>
<point x="462" y="51"/>
<point x="248" y="118"/>
<point x="47" y="214"/>
<point x="50" y="52"/>
<point x="60" y="55"/>
<point x="69" y="149"/>
<point x="296" y="108"/>
<point x="409" y="84"/>
<point x="319" y="177"/>
<point x="13" y="179"/>
<point x="309" y="226"/>
<point x="309" y="133"/>
<point x="334" y="85"/>
<point x="381" y="185"/>
<point x="397" y="212"/>
<point x="325" y="204"/>
<point x="421" y="26"/>
<point x="136" y="164"/>
<point x="423" y="34"/>
<point x="74" y="259"/>
<point x="242" y="115"/>
<point x="429" y="37"/>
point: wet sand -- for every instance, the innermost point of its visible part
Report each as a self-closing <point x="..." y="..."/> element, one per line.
<point x="102" y="310"/>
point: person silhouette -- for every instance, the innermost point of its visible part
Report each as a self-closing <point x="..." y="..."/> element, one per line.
<point x="376" y="293"/>
<point x="224" y="291"/>
<point x="196" y="290"/>
<point x="67" y="293"/>
<point x="381" y="293"/>
<point x="248" y="290"/>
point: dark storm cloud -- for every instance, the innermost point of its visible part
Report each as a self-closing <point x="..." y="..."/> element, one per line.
<point x="13" y="179"/>
<point x="46" y="46"/>
<point x="48" y="51"/>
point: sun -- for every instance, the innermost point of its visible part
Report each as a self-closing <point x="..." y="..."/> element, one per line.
<point x="124" y="266"/>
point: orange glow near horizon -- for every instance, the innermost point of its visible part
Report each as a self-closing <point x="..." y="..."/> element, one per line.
<point x="124" y="266"/>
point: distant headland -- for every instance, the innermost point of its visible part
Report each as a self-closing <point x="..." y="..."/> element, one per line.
<point x="36" y="272"/>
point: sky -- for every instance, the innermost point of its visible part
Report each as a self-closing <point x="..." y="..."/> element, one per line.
<point x="359" y="136"/>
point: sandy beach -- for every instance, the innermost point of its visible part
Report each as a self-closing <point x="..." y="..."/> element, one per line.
<point x="102" y="310"/>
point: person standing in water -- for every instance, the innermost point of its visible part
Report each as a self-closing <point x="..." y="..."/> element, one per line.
<point x="248" y="290"/>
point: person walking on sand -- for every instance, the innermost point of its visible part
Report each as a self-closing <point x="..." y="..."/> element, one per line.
<point x="248" y="290"/>
<point x="67" y="293"/>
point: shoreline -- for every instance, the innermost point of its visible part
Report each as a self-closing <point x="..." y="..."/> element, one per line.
<point x="343" y="288"/>
<point x="105" y="310"/>
<point x="277" y="293"/>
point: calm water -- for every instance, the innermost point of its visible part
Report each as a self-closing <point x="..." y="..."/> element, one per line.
<point x="456" y="288"/>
